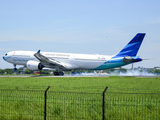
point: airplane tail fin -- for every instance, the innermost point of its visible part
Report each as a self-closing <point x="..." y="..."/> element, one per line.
<point x="132" y="47"/>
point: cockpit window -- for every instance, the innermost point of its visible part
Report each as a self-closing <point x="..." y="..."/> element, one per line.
<point x="5" y="54"/>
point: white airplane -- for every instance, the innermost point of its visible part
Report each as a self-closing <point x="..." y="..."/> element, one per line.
<point x="69" y="61"/>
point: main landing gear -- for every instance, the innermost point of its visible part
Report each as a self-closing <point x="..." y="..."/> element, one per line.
<point x="58" y="73"/>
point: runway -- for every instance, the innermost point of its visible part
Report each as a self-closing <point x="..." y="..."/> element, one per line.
<point x="74" y="76"/>
<point x="46" y="76"/>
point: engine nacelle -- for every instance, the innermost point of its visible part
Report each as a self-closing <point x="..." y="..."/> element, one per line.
<point x="34" y="65"/>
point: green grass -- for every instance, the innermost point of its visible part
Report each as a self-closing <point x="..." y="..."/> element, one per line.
<point x="120" y="104"/>
<point x="41" y="83"/>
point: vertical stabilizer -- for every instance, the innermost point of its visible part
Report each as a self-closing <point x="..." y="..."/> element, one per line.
<point x="132" y="47"/>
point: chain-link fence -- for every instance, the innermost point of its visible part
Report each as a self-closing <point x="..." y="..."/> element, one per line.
<point x="49" y="105"/>
<point x="132" y="106"/>
<point x="52" y="105"/>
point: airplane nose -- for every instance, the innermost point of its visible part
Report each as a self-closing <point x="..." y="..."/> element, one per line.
<point x="4" y="58"/>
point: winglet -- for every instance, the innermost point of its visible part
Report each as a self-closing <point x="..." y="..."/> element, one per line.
<point x="39" y="51"/>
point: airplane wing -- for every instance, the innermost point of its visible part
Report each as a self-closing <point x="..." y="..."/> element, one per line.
<point x="52" y="63"/>
<point x="49" y="62"/>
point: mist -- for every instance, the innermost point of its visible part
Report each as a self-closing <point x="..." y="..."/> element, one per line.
<point x="114" y="73"/>
<point x="136" y="73"/>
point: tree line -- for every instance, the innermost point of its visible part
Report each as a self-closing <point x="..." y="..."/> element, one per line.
<point x="47" y="72"/>
<point x="20" y="71"/>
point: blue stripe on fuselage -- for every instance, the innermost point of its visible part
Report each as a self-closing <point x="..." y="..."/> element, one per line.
<point x="116" y="62"/>
<point x="112" y="63"/>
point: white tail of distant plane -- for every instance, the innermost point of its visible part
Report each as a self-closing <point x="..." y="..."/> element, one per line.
<point x="68" y="61"/>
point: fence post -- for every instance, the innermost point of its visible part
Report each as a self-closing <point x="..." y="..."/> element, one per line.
<point x="103" y="104"/>
<point x="45" y="102"/>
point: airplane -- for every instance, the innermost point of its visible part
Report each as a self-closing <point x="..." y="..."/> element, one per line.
<point x="68" y="61"/>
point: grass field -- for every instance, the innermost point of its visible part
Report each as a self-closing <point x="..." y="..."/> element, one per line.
<point x="124" y="98"/>
<point x="41" y="83"/>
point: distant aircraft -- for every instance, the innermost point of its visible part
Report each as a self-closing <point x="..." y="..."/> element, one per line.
<point x="69" y="61"/>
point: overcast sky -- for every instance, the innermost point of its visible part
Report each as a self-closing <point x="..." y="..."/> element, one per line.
<point x="80" y="26"/>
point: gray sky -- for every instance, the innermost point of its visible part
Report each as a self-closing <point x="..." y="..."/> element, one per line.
<point x="80" y="26"/>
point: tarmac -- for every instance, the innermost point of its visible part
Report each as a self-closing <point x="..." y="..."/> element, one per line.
<point x="74" y="76"/>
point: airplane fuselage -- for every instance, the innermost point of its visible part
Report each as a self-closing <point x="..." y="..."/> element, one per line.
<point x="79" y="61"/>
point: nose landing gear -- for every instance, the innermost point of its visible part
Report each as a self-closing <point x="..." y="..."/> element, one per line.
<point x="15" y="69"/>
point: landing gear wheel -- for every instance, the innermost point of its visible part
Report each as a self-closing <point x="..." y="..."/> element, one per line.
<point x="58" y="73"/>
<point x="15" y="69"/>
<point x="61" y="73"/>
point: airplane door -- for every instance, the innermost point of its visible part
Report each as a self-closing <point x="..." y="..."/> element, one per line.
<point x="72" y="58"/>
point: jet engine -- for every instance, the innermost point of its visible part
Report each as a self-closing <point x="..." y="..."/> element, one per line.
<point x="34" y="65"/>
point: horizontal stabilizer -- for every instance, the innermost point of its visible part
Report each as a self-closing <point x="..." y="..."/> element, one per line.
<point x="129" y="59"/>
<point x="148" y="58"/>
